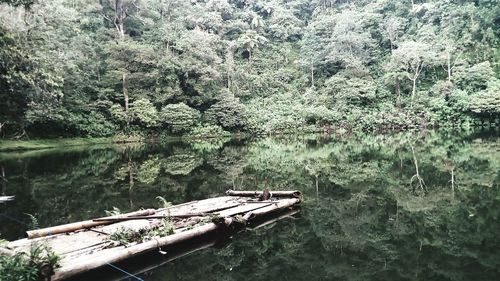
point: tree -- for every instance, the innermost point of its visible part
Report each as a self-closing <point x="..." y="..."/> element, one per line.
<point x="117" y="11"/>
<point x="449" y="55"/>
<point x="229" y="113"/>
<point x="144" y="112"/>
<point x="392" y="28"/>
<point x="412" y="57"/>
<point x="250" y="41"/>
<point x="26" y="84"/>
<point x="129" y="64"/>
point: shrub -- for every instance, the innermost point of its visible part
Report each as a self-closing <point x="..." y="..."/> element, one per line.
<point x="143" y="112"/>
<point x="208" y="131"/>
<point x="179" y="117"/>
<point x="487" y="102"/>
<point x="229" y="113"/>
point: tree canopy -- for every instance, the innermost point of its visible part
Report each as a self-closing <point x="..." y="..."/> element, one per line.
<point x="99" y="68"/>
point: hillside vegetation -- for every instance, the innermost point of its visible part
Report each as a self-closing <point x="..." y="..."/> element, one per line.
<point x="206" y="67"/>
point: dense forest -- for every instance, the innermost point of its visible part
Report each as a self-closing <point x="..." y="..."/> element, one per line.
<point x="208" y="67"/>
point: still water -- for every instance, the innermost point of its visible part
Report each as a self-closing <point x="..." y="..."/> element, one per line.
<point x="410" y="206"/>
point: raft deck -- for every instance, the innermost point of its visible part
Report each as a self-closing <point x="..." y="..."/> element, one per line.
<point x="88" y="245"/>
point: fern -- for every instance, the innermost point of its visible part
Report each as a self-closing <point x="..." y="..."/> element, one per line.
<point x="33" y="222"/>
<point x="113" y="212"/>
<point x="163" y="202"/>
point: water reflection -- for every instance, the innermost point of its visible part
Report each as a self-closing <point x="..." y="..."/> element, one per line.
<point x="402" y="207"/>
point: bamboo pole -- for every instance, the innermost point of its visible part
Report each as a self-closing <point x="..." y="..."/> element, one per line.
<point x="170" y="257"/>
<point x="189" y="249"/>
<point x="292" y="194"/>
<point x="225" y="212"/>
<point x="70" y="227"/>
<point x="284" y="215"/>
<point x="282" y="204"/>
<point x="113" y="220"/>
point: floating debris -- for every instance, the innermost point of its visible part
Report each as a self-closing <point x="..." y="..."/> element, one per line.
<point x="6" y="198"/>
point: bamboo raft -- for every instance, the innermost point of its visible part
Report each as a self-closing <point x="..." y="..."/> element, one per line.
<point x="85" y="246"/>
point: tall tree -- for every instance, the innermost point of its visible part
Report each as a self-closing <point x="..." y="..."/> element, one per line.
<point x="411" y="58"/>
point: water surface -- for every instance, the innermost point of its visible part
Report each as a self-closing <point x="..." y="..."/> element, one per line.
<point x="368" y="215"/>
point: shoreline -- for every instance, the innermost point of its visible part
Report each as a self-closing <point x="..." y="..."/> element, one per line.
<point x="39" y="144"/>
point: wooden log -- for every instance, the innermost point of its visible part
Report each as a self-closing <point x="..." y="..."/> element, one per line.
<point x="170" y="257"/>
<point x="120" y="254"/>
<point x="243" y="209"/>
<point x="150" y="217"/>
<point x="288" y="194"/>
<point x="225" y="212"/>
<point x="280" y="205"/>
<point x="192" y="248"/>
<point x="285" y="214"/>
<point x="70" y="227"/>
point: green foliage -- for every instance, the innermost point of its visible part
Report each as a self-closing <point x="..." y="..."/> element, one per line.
<point x="238" y="63"/>
<point x="118" y="114"/>
<point x="208" y="131"/>
<point x="95" y="124"/>
<point x="476" y="77"/>
<point x="125" y="236"/>
<point x="33" y="222"/>
<point x="114" y="212"/>
<point x="179" y="117"/>
<point x="143" y="112"/>
<point x="163" y="202"/>
<point x="228" y="113"/>
<point x="352" y="90"/>
<point x="30" y="266"/>
<point x="487" y="102"/>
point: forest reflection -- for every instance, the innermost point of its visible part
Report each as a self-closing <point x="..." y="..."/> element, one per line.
<point x="410" y="206"/>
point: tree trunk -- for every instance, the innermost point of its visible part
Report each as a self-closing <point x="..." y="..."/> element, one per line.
<point x="414" y="88"/>
<point x="121" y="30"/>
<point x="121" y="14"/>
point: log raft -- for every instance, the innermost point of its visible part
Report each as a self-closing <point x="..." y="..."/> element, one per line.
<point x="88" y="245"/>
